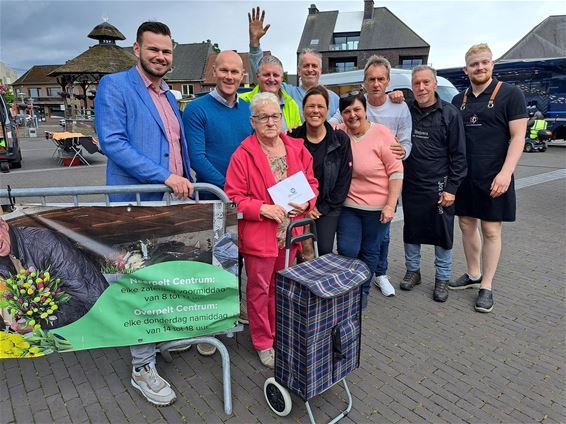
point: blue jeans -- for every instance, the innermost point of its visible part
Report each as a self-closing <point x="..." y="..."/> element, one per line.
<point x="382" y="264"/>
<point x="359" y="236"/>
<point x="442" y="260"/>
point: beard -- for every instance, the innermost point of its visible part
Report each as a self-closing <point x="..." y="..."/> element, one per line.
<point x="479" y="79"/>
<point x="146" y="66"/>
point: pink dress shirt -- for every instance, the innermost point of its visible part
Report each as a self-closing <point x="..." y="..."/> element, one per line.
<point x="170" y="122"/>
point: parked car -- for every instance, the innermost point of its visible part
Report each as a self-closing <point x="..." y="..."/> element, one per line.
<point x="10" y="153"/>
<point x="400" y="79"/>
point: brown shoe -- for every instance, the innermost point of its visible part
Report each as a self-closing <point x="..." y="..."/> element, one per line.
<point x="206" y="349"/>
<point x="410" y="280"/>
<point x="440" y="293"/>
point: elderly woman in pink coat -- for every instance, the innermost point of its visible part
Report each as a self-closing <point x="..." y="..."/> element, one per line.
<point x="265" y="158"/>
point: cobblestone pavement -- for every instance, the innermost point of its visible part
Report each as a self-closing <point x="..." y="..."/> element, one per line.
<point x="421" y="361"/>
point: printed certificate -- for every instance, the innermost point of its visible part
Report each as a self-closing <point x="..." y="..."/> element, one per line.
<point x="292" y="189"/>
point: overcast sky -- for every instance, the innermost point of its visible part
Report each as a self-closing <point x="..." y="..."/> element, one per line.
<point x="52" y="32"/>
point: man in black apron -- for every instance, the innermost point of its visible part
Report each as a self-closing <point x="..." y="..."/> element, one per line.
<point x="433" y="172"/>
<point x="495" y="122"/>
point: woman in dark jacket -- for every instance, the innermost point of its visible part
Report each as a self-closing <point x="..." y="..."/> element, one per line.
<point x="332" y="163"/>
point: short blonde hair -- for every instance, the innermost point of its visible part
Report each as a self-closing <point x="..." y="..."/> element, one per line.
<point x="477" y="48"/>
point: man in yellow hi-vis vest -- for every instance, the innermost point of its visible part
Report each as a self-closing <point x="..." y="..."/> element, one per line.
<point x="538" y="125"/>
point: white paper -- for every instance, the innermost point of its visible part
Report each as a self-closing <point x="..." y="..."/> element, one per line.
<point x="295" y="188"/>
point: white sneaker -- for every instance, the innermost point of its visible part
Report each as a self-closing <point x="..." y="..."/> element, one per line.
<point x="154" y="388"/>
<point x="267" y="357"/>
<point x="382" y="281"/>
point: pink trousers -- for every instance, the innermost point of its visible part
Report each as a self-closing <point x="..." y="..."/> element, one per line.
<point x="261" y="296"/>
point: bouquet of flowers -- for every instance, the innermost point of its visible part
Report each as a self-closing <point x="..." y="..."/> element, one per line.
<point x="16" y="346"/>
<point x="32" y="297"/>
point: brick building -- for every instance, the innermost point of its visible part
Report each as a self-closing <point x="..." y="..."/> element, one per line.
<point x="347" y="39"/>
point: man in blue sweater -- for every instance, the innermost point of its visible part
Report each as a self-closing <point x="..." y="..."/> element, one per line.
<point x="216" y="124"/>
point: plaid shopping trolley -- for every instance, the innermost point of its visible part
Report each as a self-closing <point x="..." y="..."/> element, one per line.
<point x="318" y="326"/>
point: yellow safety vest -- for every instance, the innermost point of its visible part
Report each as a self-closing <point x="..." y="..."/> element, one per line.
<point x="539" y="124"/>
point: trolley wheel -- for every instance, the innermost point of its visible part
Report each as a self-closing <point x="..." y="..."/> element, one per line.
<point x="277" y="397"/>
<point x="4" y="167"/>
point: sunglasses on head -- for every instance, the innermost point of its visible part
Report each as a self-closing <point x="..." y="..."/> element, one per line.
<point x="351" y="93"/>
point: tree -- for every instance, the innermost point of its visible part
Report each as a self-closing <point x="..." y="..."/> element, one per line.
<point x="7" y="93"/>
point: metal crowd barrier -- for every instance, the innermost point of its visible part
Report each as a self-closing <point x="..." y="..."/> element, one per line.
<point x="10" y="195"/>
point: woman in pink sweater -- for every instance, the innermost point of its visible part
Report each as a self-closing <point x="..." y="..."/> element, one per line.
<point x="376" y="185"/>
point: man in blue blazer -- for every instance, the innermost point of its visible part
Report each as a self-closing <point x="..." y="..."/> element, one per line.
<point x="138" y="122"/>
<point x="140" y="130"/>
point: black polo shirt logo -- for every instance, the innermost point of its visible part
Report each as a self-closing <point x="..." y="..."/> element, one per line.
<point x="421" y="134"/>
<point x="473" y="121"/>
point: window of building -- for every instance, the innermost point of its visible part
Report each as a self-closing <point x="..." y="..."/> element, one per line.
<point x="343" y="64"/>
<point x="315" y="42"/>
<point x="409" y="62"/>
<point x="34" y="92"/>
<point x="53" y="91"/>
<point x="345" y="41"/>
<point x="187" y="89"/>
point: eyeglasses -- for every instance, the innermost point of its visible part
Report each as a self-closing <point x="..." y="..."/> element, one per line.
<point x="276" y="117"/>
<point x="351" y="93"/>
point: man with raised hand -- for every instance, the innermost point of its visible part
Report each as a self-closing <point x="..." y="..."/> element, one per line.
<point x="309" y="68"/>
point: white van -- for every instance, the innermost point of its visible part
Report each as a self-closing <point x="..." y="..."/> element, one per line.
<point x="343" y="82"/>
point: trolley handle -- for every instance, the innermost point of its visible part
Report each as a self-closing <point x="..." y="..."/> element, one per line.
<point x="289" y="239"/>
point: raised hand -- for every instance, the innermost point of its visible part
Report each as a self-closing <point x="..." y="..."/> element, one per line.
<point x="256" y="28"/>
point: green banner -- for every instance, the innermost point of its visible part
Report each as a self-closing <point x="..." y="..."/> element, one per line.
<point x="167" y="301"/>
<point x="91" y="277"/>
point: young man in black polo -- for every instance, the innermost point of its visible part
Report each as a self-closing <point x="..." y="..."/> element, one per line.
<point x="495" y="121"/>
